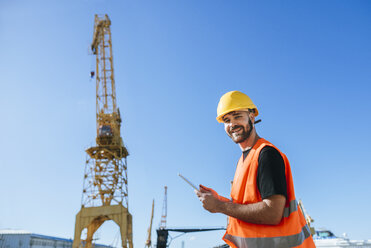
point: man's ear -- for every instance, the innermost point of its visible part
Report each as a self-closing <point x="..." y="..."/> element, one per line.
<point x="252" y="116"/>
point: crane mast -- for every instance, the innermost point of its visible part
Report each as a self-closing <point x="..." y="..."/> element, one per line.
<point x="148" y="243"/>
<point x="164" y="211"/>
<point x="105" y="191"/>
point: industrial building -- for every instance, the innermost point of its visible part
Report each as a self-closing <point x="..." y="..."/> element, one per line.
<point x="26" y="239"/>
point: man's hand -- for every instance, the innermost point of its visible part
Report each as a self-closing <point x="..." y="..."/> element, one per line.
<point x="210" y="199"/>
<point x="208" y="190"/>
<point x="213" y="192"/>
<point x="268" y="211"/>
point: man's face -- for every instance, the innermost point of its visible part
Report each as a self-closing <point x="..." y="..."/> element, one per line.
<point x="238" y="125"/>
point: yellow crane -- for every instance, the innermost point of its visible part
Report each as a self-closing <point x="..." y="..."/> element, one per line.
<point x="105" y="190"/>
<point x="148" y="243"/>
<point x="307" y="217"/>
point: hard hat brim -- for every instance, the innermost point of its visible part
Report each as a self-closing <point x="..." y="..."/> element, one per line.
<point x="219" y="118"/>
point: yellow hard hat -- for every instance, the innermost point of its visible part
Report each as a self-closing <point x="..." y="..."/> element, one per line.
<point x="233" y="101"/>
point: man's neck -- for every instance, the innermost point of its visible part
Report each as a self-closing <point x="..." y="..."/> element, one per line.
<point x="250" y="142"/>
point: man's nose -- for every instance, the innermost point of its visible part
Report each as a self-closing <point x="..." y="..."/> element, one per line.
<point x="233" y="123"/>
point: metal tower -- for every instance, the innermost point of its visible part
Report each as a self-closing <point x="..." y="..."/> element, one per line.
<point x="164" y="211"/>
<point x="105" y="190"/>
<point x="148" y="243"/>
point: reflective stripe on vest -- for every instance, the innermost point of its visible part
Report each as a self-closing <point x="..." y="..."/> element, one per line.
<point x="293" y="206"/>
<point x="277" y="242"/>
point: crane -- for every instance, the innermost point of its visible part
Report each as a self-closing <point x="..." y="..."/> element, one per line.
<point x="163" y="232"/>
<point x="105" y="190"/>
<point x="164" y="211"/>
<point x="307" y="217"/>
<point x="148" y="243"/>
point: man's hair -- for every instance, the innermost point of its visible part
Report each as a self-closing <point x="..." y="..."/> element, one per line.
<point x="251" y="110"/>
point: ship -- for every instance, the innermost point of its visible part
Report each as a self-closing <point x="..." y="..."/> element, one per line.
<point x="325" y="238"/>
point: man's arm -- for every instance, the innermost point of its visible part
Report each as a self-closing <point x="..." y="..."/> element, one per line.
<point x="269" y="211"/>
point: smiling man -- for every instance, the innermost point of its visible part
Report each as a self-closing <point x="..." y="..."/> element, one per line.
<point x="263" y="211"/>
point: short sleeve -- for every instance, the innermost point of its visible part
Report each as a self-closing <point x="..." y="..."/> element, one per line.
<point x="271" y="178"/>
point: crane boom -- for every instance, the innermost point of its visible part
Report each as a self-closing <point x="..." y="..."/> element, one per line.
<point x="108" y="117"/>
<point x="149" y="241"/>
<point x="102" y="48"/>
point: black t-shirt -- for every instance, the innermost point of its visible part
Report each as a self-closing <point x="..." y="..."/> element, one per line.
<point x="271" y="179"/>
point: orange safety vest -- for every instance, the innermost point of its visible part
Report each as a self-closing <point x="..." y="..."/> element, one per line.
<point x="292" y="231"/>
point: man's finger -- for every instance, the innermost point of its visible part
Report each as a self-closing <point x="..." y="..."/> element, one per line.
<point x="204" y="188"/>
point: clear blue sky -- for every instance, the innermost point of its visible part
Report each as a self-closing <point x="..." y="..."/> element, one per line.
<point x="305" y="64"/>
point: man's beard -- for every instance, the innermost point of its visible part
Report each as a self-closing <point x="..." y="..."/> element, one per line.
<point x="241" y="137"/>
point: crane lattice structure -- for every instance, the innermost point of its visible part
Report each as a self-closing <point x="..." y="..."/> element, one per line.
<point x="148" y="243"/>
<point x="164" y="211"/>
<point x="105" y="190"/>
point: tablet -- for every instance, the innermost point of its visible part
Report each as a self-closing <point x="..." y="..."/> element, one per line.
<point x="187" y="181"/>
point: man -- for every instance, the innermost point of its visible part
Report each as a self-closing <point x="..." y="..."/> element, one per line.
<point x="263" y="212"/>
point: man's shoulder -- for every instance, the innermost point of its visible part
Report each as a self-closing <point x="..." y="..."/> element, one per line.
<point x="269" y="149"/>
<point x="269" y="152"/>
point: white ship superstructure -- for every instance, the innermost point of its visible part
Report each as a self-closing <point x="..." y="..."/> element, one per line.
<point x="325" y="238"/>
